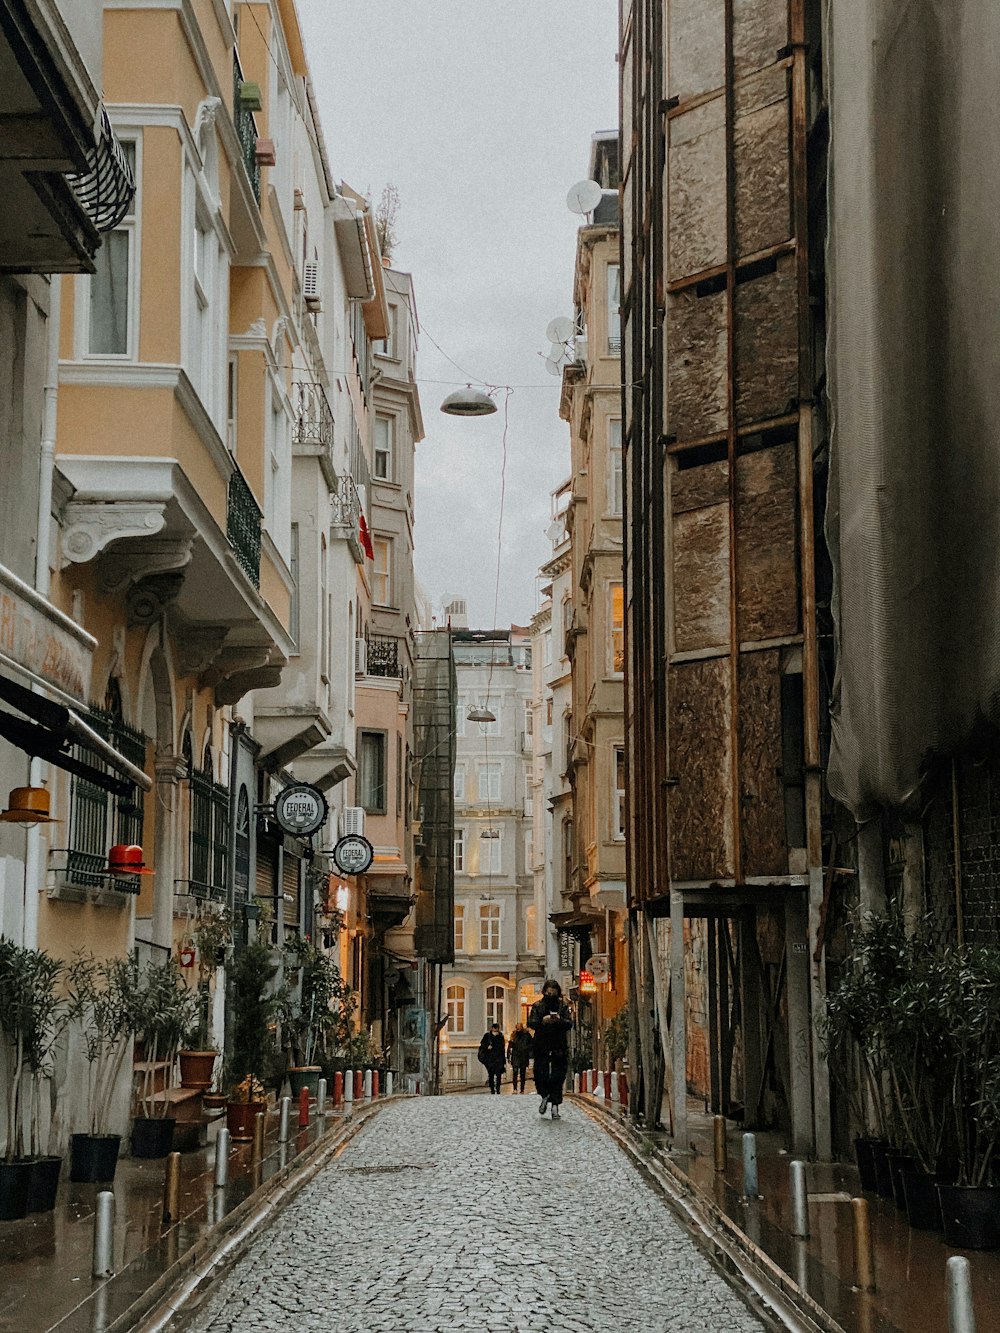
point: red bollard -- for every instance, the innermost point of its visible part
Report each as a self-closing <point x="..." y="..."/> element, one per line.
<point x="623" y="1091"/>
<point x="338" y="1088"/>
<point x="374" y="1084"/>
<point x="359" y="1084"/>
<point x="607" y="1088"/>
<point x="304" y="1109"/>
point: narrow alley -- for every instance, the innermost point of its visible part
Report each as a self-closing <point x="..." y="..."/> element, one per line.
<point x="474" y="1212"/>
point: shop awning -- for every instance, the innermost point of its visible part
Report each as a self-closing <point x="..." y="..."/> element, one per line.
<point x="48" y="729"/>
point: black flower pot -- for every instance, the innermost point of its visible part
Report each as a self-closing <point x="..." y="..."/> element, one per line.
<point x="15" y="1186"/>
<point x="864" y="1151"/>
<point x="923" y="1203"/>
<point x="152" y="1138"/>
<point x="93" y="1157"/>
<point x="44" y="1184"/>
<point x="898" y="1163"/>
<point x="883" y="1176"/>
<point x="971" y="1216"/>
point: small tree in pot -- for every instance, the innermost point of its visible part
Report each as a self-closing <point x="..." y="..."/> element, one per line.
<point x="310" y="1019"/>
<point x="212" y="936"/>
<point x="166" y="1009"/>
<point x="251" y="974"/>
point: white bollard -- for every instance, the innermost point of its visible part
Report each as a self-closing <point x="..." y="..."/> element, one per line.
<point x="576" y="1083"/>
<point x="104" y="1235"/>
<point x="750" y="1166"/>
<point x="222" y="1158"/>
<point x="961" y="1315"/>
<point x="348" y="1085"/>
<point x="599" y="1089"/>
<point x="368" y="1085"/>
<point x="321" y="1097"/>
<point x="388" y="1082"/>
<point x="800" y="1201"/>
<point x="614" y="1088"/>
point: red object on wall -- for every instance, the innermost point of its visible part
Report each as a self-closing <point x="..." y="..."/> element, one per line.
<point x="186" y="956"/>
<point x="366" y="537"/>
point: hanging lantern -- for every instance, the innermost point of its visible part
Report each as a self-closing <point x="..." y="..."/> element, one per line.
<point x="125" y="860"/>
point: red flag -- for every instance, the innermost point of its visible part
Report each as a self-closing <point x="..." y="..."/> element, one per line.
<point x="366" y="537"/>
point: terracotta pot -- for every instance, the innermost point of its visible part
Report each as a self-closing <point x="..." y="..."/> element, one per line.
<point x="241" y="1118"/>
<point x="196" y="1068"/>
<point x="214" y="1101"/>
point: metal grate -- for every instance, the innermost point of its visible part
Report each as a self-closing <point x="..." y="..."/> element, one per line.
<point x="106" y="189"/>
<point x="95" y="820"/>
<point x="384" y="657"/>
<point x="246" y="131"/>
<point x="243" y="527"/>
<point x="314" y="417"/>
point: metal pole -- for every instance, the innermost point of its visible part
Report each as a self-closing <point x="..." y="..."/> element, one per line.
<point x="750" y="1190"/>
<point x="437" y="1032"/>
<point x="800" y="1201"/>
<point x="366" y="1085"/>
<point x="961" y="1315"/>
<point x="172" y="1189"/>
<point x="864" y="1255"/>
<point x="349" y="1085"/>
<point x="388" y="1082"/>
<point x="283" y="1118"/>
<point x="222" y="1158"/>
<point x="104" y="1235"/>
<point x="258" y="1137"/>
<point x="721" y="1152"/>
<point x="321" y="1097"/>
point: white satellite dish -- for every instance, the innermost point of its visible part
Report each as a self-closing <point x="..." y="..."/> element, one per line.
<point x="553" y="365"/>
<point x="584" y="197"/>
<point x="554" y="531"/>
<point x="560" y="329"/>
<point x="557" y="351"/>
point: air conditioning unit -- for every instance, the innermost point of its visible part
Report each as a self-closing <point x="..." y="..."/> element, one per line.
<point x="580" y="348"/>
<point x="352" y="820"/>
<point x="360" y="657"/>
<point x="310" y="284"/>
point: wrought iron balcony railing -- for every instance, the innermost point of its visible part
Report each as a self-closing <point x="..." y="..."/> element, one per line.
<point x="246" y="131"/>
<point x="384" y="658"/>
<point x="347" y="514"/>
<point x="314" y="418"/>
<point x="243" y="527"/>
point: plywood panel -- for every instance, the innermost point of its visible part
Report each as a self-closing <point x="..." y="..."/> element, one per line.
<point x="700" y="758"/>
<point x="701" y="578"/>
<point x="761" y="163"/>
<point x="766" y="344"/>
<point x="767" y="582"/>
<point x="760" y="31"/>
<point x="697" y="179"/>
<point x="696" y="364"/>
<point x="697" y="61"/>
<point x="762" y="807"/>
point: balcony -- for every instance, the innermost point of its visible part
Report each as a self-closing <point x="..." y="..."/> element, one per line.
<point x="347" y="515"/>
<point x="313" y="435"/>
<point x="243" y="527"/>
<point x="384" y="658"/>
<point x="246" y="131"/>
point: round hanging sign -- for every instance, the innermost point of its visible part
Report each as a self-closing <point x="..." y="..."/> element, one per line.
<point x="301" y="809"/>
<point x="353" y="854"/>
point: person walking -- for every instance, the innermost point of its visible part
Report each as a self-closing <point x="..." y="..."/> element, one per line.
<point x="518" y="1054"/>
<point x="550" y="1022"/>
<point x="491" y="1054"/>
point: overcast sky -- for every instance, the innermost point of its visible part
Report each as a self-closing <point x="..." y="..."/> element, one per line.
<point x="481" y="115"/>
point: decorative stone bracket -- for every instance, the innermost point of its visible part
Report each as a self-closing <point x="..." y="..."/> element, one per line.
<point x="90" y="526"/>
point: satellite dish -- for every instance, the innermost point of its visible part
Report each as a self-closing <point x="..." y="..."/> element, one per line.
<point x="560" y="329"/>
<point x="554" y="531"/>
<point x="584" y="197"/>
<point x="553" y="365"/>
<point x="557" y="351"/>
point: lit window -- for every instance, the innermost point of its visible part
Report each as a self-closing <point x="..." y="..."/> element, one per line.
<point x="615" y="466"/>
<point x="460" y="849"/>
<point x="617" y="629"/>
<point x="494" y="1006"/>
<point x="618" y="827"/>
<point x="382" y="574"/>
<point x="489" y="928"/>
<point x="385" y="430"/>
<point x="459" y="928"/>
<point x="489" y="782"/>
<point x="455" y="1001"/>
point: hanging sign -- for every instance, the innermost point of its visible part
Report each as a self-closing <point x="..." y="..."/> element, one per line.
<point x="588" y="986"/>
<point x="301" y="809"/>
<point x="353" y="854"/>
<point x="599" y="967"/>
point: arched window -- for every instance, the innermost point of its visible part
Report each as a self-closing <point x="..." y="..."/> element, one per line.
<point x="494" y="1006"/>
<point x="455" y="999"/>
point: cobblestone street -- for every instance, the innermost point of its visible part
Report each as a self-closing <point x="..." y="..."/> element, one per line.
<point x="473" y="1212"/>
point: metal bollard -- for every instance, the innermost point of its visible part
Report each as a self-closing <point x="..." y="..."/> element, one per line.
<point x="359" y="1084"/>
<point x="800" y="1199"/>
<point x="721" y="1148"/>
<point x="864" y="1255"/>
<point x="304" y="1108"/>
<point x="623" y="1091"/>
<point x="576" y="1083"/>
<point x="366" y="1086"/>
<point x="750" y="1189"/>
<point x="321" y="1097"/>
<point x="258" y="1136"/>
<point x="172" y="1188"/>
<point x="285" y="1109"/>
<point x="375" y="1083"/>
<point x="388" y="1082"/>
<point x="104" y="1235"/>
<point x="222" y="1158"/>
<point x="961" y="1315"/>
<point x="606" y="1079"/>
<point x="614" y="1095"/>
<point x="349" y="1086"/>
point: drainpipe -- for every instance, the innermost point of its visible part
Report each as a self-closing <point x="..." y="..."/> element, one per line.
<point x="34" y="860"/>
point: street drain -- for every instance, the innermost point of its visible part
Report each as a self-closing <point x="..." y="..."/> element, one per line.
<point x="386" y="1170"/>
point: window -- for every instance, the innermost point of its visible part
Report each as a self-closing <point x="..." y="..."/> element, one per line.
<point x="382" y="575"/>
<point x="531" y="928"/>
<point x="293" y="569"/>
<point x="371" y="771"/>
<point x="529" y="719"/>
<point x="390" y="346"/>
<point x="455" y="998"/>
<point x="494" y="1007"/>
<point x="111" y="312"/>
<point x="490" y="853"/>
<point x="232" y="400"/>
<point x="461" y="708"/>
<point x="489" y="782"/>
<point x="567" y="623"/>
<point x="618" y="813"/>
<point x="204" y="258"/>
<point x="489" y="928"/>
<point x="459" y="928"/>
<point x="617" y="629"/>
<point x="548" y="711"/>
<point x="385" y="438"/>
<point x="567" y="829"/>
<point x="458" y="1072"/>
<point x="459" y="782"/>
<point x="615" y="466"/>
<point x="547" y="648"/>
<point x="460" y="849"/>
<point x="614" y="316"/>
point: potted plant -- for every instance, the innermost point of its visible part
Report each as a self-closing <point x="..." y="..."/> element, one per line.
<point x="253" y="1003"/>
<point x="166" y="1009"/>
<point x="103" y="999"/>
<point x="309" y="1019"/>
<point x="198" y="1055"/>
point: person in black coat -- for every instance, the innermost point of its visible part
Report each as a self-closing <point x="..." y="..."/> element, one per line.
<point x="491" y="1054"/>
<point x="519" y="1054"/>
<point x="550" y="1022"/>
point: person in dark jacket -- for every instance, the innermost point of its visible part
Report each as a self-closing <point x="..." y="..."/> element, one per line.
<point x="550" y="1022"/>
<point x="491" y="1054"/>
<point x="518" y="1054"/>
